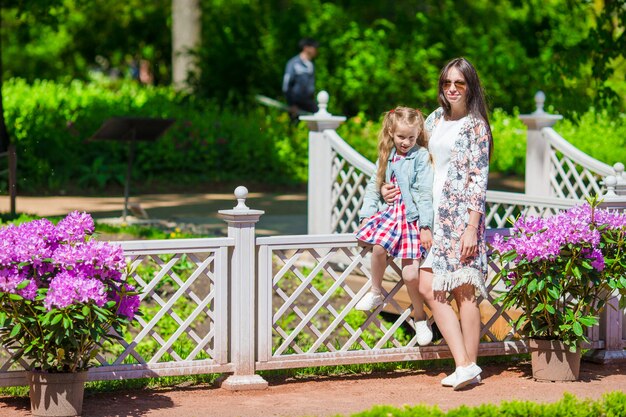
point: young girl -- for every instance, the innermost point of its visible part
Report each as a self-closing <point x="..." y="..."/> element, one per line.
<point x="398" y="228"/>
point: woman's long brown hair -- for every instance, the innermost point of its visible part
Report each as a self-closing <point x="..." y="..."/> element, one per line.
<point x="475" y="96"/>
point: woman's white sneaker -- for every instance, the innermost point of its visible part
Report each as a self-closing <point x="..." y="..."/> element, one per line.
<point x="369" y="302"/>
<point x="451" y="379"/>
<point x="465" y="375"/>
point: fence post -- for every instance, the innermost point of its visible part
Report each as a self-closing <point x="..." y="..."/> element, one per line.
<point x="612" y="320"/>
<point x="538" y="148"/>
<point x="611" y="331"/>
<point x="614" y="197"/>
<point x="620" y="179"/>
<point x="319" y="205"/>
<point x="242" y="324"/>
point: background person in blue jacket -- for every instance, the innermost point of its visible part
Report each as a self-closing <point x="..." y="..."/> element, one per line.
<point x="299" y="79"/>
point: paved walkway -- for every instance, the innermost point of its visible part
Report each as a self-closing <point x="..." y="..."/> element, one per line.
<point x="284" y="213"/>
<point x="344" y="395"/>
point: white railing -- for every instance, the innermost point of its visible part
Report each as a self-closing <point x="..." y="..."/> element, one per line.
<point x="350" y="173"/>
<point x="558" y="176"/>
<point x="309" y="285"/>
<point x="504" y="206"/>
<point x="573" y="173"/>
<point x="208" y="309"/>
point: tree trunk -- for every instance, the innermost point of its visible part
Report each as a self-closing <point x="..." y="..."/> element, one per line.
<point x="186" y="30"/>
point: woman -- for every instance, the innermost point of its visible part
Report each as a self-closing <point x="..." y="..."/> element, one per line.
<point x="460" y="142"/>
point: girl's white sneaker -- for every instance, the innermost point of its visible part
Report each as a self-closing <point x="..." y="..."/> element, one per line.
<point x="369" y="302"/>
<point x="423" y="333"/>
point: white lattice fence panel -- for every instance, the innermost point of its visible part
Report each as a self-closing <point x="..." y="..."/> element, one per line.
<point x="306" y="308"/>
<point x="184" y="308"/>
<point x="569" y="179"/>
<point x="184" y="301"/>
<point x="347" y="194"/>
<point x="499" y="214"/>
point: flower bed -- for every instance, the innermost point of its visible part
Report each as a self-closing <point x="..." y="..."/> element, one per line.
<point x="562" y="269"/>
<point x="61" y="294"/>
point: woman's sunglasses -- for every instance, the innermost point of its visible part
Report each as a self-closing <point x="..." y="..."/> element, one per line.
<point x="459" y="85"/>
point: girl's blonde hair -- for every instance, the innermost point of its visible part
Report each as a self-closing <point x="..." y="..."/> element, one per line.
<point x="400" y="115"/>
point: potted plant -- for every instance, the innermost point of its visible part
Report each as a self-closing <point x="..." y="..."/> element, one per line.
<point x="62" y="295"/>
<point x="560" y="271"/>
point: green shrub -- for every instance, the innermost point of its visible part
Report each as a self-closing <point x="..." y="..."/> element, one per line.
<point x="598" y="134"/>
<point x="51" y="122"/>
<point x="611" y="404"/>
<point x="509" y="143"/>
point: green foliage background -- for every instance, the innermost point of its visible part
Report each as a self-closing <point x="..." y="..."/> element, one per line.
<point x="374" y="55"/>
<point x="51" y="124"/>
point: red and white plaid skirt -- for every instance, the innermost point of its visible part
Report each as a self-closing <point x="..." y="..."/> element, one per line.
<point x="390" y="229"/>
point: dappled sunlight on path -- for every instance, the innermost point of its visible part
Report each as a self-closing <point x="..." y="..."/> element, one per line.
<point x="331" y="395"/>
<point x="285" y="213"/>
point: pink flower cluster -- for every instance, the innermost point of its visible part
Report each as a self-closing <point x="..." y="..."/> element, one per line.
<point x="536" y="238"/>
<point x="63" y="260"/>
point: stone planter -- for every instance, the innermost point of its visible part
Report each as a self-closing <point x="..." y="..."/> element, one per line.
<point x="552" y="361"/>
<point x="56" y="394"/>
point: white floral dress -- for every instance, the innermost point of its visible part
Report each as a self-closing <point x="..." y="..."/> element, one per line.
<point x="463" y="186"/>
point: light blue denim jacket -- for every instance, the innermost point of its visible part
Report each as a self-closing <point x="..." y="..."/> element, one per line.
<point x="414" y="174"/>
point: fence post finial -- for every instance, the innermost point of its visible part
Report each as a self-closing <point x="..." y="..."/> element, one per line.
<point x="322" y="103"/>
<point x="241" y="193"/>
<point x="610" y="182"/>
<point x="322" y="120"/>
<point x="540" y="99"/>
<point x="620" y="176"/>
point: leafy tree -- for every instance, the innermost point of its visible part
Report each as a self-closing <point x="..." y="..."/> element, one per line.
<point x="65" y="39"/>
<point x="17" y="9"/>
<point x="373" y="55"/>
<point x="594" y="61"/>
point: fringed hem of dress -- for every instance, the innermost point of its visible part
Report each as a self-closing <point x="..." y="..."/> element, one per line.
<point x="452" y="280"/>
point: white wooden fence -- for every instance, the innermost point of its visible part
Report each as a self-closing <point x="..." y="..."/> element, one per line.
<point x="208" y="308"/>
<point x="243" y="304"/>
